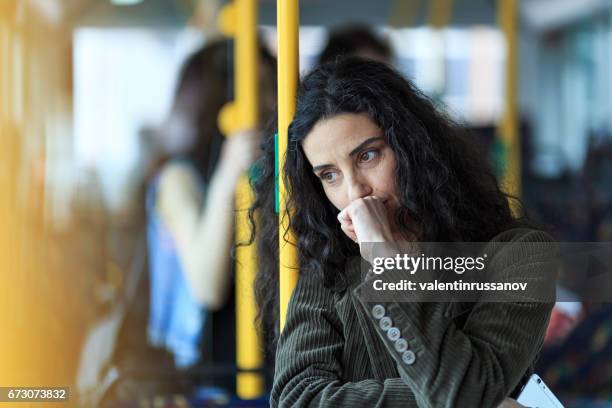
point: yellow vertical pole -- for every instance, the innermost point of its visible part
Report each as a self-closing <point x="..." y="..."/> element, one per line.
<point x="440" y="13"/>
<point x="404" y="13"/>
<point x="508" y="128"/>
<point x="288" y="65"/>
<point x="239" y="19"/>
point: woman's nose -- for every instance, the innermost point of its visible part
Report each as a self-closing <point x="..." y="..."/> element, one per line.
<point x="358" y="189"/>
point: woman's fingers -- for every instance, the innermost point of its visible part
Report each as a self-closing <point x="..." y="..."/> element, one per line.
<point x="344" y="217"/>
<point x="246" y="134"/>
<point x="347" y="225"/>
<point x="241" y="149"/>
<point x="357" y="206"/>
<point x="365" y="220"/>
<point x="510" y="403"/>
<point x="349" y="231"/>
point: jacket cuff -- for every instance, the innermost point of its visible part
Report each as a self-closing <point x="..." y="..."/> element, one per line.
<point x="397" y="324"/>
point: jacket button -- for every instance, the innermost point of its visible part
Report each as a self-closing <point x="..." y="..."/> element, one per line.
<point x="401" y="345"/>
<point x="408" y="357"/>
<point x="378" y="311"/>
<point x="385" y="323"/>
<point x="393" y="334"/>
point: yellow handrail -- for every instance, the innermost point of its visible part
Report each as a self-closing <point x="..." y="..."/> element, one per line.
<point x="239" y="20"/>
<point x="508" y="127"/>
<point x="440" y="13"/>
<point x="288" y="28"/>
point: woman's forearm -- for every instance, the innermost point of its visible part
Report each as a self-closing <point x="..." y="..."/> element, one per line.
<point x="308" y="369"/>
<point x="477" y="363"/>
<point x="207" y="257"/>
<point x="202" y="231"/>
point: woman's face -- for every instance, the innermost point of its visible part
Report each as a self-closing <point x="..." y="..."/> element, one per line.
<point x="350" y="156"/>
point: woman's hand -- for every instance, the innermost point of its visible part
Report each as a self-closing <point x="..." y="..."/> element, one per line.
<point x="365" y="220"/>
<point x="238" y="153"/>
<point x="510" y="403"/>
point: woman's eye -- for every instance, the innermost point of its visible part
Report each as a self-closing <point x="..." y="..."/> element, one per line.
<point x="329" y="176"/>
<point x="368" y="156"/>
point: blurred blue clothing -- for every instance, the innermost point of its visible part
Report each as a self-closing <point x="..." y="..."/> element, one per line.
<point x="176" y="319"/>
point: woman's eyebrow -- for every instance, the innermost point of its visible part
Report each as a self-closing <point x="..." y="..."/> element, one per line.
<point x="316" y="169"/>
<point x="364" y="144"/>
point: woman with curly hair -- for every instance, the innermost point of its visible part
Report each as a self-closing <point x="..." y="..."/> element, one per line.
<point x="370" y="159"/>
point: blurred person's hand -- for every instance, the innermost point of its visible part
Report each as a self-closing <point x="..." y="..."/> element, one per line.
<point x="510" y="403"/>
<point x="564" y="317"/>
<point x="239" y="151"/>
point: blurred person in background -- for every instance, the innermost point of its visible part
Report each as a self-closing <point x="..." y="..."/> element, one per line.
<point x="190" y="209"/>
<point x="357" y="40"/>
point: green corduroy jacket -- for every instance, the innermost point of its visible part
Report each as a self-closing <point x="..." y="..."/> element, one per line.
<point x="333" y="352"/>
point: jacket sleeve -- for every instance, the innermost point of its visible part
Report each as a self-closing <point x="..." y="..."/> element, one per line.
<point x="480" y="362"/>
<point x="308" y="369"/>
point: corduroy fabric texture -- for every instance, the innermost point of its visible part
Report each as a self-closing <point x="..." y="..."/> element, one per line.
<point x="332" y="352"/>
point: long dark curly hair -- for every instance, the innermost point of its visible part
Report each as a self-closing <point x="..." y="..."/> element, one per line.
<point x="445" y="184"/>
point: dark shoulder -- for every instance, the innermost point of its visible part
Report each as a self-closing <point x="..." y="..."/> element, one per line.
<point x="311" y="302"/>
<point x="310" y="291"/>
<point x="518" y="245"/>
<point x="522" y="234"/>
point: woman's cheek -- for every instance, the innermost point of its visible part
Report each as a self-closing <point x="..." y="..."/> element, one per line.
<point x="334" y="198"/>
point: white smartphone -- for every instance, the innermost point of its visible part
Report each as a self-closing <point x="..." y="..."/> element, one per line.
<point x="535" y="394"/>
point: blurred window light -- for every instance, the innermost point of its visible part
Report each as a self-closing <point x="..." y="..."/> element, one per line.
<point x="554" y="14"/>
<point x="575" y="94"/>
<point x="124" y="82"/>
<point x="462" y="67"/>
<point x="125" y="2"/>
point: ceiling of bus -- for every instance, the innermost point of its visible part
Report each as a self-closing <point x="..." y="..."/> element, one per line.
<point x="176" y="13"/>
<point x="154" y="13"/>
<point x="382" y="12"/>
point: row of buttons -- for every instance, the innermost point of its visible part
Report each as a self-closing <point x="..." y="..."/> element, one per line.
<point x="393" y="334"/>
